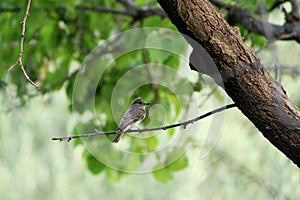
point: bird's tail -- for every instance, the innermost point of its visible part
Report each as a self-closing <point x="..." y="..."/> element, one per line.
<point x="118" y="137"/>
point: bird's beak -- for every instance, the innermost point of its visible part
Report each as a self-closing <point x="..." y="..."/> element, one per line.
<point x="146" y="103"/>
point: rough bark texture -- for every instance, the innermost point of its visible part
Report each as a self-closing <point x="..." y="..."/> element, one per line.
<point x="261" y="99"/>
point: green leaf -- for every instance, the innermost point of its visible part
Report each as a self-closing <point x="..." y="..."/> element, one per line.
<point x="129" y="59"/>
<point x="154" y="21"/>
<point x="152" y="143"/>
<point x="92" y="163"/>
<point x="179" y="164"/>
<point x="172" y="61"/>
<point x="163" y="175"/>
<point x="76" y="141"/>
<point x="175" y="161"/>
<point x="218" y="95"/>
<point x="132" y="163"/>
<point x="113" y="175"/>
<point x="257" y="40"/>
<point x="174" y="155"/>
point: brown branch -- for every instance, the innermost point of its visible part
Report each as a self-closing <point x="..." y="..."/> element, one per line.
<point x="260" y="98"/>
<point x="184" y="124"/>
<point x="139" y="13"/>
<point x="288" y="31"/>
<point x="19" y="61"/>
<point x="295" y="10"/>
<point x="276" y="4"/>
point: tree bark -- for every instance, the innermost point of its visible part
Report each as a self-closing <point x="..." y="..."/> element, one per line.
<point x="260" y="98"/>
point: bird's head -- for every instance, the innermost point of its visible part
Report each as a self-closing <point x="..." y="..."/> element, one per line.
<point x="139" y="102"/>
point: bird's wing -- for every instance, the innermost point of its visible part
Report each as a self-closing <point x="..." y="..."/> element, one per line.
<point x="130" y="117"/>
<point x="137" y="114"/>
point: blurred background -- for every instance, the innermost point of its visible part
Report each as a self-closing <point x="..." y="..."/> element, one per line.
<point x="239" y="163"/>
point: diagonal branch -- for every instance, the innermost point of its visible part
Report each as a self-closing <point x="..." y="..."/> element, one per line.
<point x="295" y="10"/>
<point x="288" y="31"/>
<point x="183" y="124"/>
<point x="139" y="13"/>
<point x="260" y="98"/>
<point x="19" y="61"/>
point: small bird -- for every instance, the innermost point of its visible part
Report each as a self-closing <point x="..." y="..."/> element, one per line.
<point x="134" y="115"/>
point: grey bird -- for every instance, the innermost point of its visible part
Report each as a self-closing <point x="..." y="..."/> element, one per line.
<point x="133" y="116"/>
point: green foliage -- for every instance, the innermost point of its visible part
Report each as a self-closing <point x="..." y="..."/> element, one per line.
<point x="127" y="76"/>
<point x="58" y="38"/>
<point x="167" y="168"/>
<point x="251" y="5"/>
<point x="92" y="163"/>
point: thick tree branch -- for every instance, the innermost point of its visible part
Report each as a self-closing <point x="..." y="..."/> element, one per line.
<point x="295" y="10"/>
<point x="184" y="124"/>
<point x="289" y="31"/>
<point x="19" y="61"/>
<point x="261" y="99"/>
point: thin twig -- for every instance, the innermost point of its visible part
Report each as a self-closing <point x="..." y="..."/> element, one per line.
<point x="268" y="43"/>
<point x="151" y="77"/>
<point x="184" y="124"/>
<point x="19" y="61"/>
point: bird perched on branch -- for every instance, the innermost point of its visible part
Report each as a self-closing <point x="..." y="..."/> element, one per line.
<point x="133" y="116"/>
